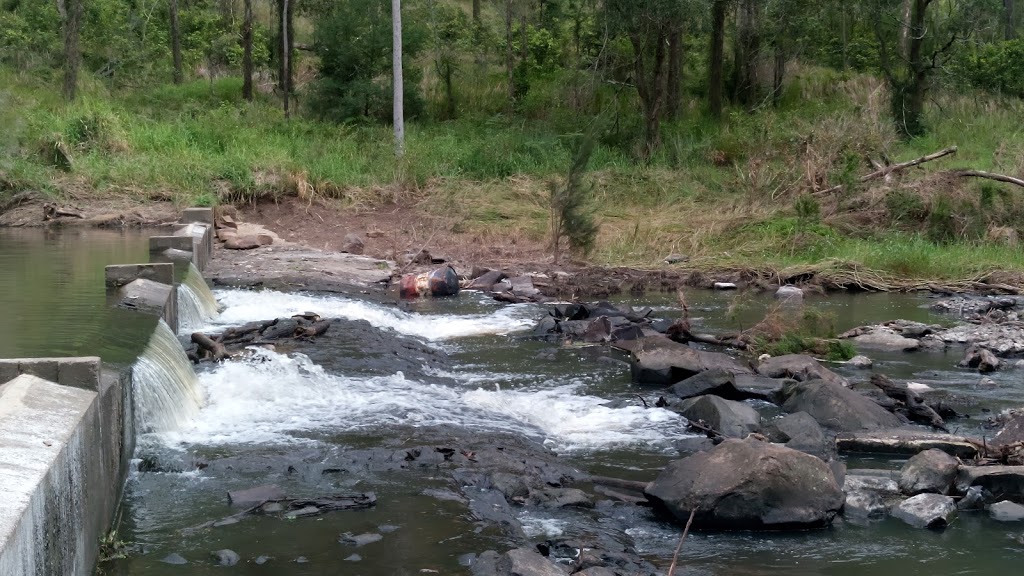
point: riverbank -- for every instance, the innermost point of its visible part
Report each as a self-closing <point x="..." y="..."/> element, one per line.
<point x="753" y="196"/>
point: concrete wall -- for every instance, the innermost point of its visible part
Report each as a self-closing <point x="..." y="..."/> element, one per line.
<point x="67" y="426"/>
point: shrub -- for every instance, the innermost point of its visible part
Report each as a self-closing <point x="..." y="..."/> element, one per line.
<point x="572" y="218"/>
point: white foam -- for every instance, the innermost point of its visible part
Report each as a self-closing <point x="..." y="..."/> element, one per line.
<point x="273" y="398"/>
<point x="243" y="306"/>
<point x="534" y="526"/>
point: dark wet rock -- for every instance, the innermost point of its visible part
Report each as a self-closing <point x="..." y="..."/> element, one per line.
<point x="687" y="446"/>
<point x="225" y="557"/>
<point x="730" y="418"/>
<point x="730" y="386"/>
<point x="836" y="407"/>
<point x="1006" y="511"/>
<point x="261" y="560"/>
<point x="598" y="330"/>
<point x="869" y="495"/>
<point x="513" y="486"/>
<point x="358" y="540"/>
<point x="255" y="495"/>
<point x="486" y="281"/>
<point x="864" y="505"/>
<point x="598" y="571"/>
<point x="980" y="359"/>
<point x="973" y="499"/>
<point x="799" y="367"/>
<point x="860" y="362"/>
<point x="752" y="386"/>
<point x="658" y="360"/>
<point x="905" y="441"/>
<point x="1004" y="482"/>
<point x="526" y="562"/>
<point x="353" y="558"/>
<point x="174" y="559"/>
<point x="1011" y="432"/>
<point x="932" y="471"/>
<point x="353" y="244"/>
<point x="356" y="347"/>
<point x="926" y="511"/>
<point x="799" y="431"/>
<point x="749" y="485"/>
<point x="973" y="306"/>
<point x="561" y="498"/>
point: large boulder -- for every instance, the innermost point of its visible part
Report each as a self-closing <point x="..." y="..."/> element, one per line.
<point x="931" y="471"/>
<point x="1006" y="511"/>
<point x="658" y="360"/>
<point x="799" y="431"/>
<point x="749" y="485"/>
<point x="1011" y="432"/>
<point x="733" y="419"/>
<point x="884" y="338"/>
<point x="730" y="386"/>
<point x="1004" y="482"/>
<point x="800" y="367"/>
<point x="903" y="441"/>
<point x="836" y="407"/>
<point x="526" y="562"/>
<point x="926" y="511"/>
<point x="869" y="494"/>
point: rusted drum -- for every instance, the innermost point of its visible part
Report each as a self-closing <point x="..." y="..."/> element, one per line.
<point x="440" y="282"/>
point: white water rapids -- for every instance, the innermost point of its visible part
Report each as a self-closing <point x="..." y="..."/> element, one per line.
<point x="277" y="398"/>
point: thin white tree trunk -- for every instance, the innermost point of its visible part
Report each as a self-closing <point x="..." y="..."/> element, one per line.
<point x="396" y="63"/>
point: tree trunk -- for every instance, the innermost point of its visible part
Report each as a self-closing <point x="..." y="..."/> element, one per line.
<point x="179" y="76"/>
<point x="650" y="87"/>
<point x="247" y="52"/>
<point x="524" y="40"/>
<point x="72" y="53"/>
<point x="449" y="91"/>
<point x="780" y="74"/>
<point x="285" y="13"/>
<point x="396" y="65"/>
<point x="845" y="30"/>
<point x="510" y="57"/>
<point x="715" y="76"/>
<point x="905" y="24"/>
<point x="1010" y="20"/>
<point x="673" y="91"/>
<point x="748" y="48"/>
<point x="476" y="12"/>
<point x="909" y="94"/>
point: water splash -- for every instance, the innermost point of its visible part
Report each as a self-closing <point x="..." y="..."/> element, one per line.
<point x="274" y="398"/>
<point x="243" y="306"/>
<point x="197" y="306"/>
<point x="167" y="393"/>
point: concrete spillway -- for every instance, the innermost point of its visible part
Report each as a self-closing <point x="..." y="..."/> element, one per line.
<point x="196" y="303"/>
<point x="166" y="389"/>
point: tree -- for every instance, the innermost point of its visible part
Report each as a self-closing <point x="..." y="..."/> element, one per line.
<point x="716" y="79"/>
<point x="247" y="64"/>
<point x="747" y="51"/>
<point x="285" y="45"/>
<point x="172" y="6"/>
<point x="1009" y="20"/>
<point x="71" y="18"/>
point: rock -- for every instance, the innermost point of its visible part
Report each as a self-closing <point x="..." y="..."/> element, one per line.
<point x="526" y="562"/>
<point x="261" y="560"/>
<point x="1006" y="482"/>
<point x="256" y="495"/>
<point x="301" y="560"/>
<point x="523" y="285"/>
<point x="353" y="558"/>
<point x="225" y="557"/>
<point x="1006" y="511"/>
<point x="752" y="386"/>
<point x="836" y="407"/>
<point x="724" y="286"/>
<point x="799" y="431"/>
<point x="359" y="539"/>
<point x="733" y="419"/>
<point x="1011" y="432"/>
<point x="869" y="496"/>
<point x="860" y="362"/>
<point x="513" y="486"/>
<point x="174" y="559"/>
<point x="905" y="441"/>
<point x="599" y="330"/>
<point x="597" y="571"/>
<point x="692" y="445"/>
<point x="658" y="360"/>
<point x="789" y="293"/>
<point x="353" y="244"/>
<point x="725" y="384"/>
<point x="800" y="367"/>
<point x="931" y="471"/>
<point x="242" y="243"/>
<point x="864" y="505"/>
<point x="982" y="360"/>
<point x="265" y="239"/>
<point x="749" y="485"/>
<point x="926" y="511"/>
<point x="974" y="499"/>
<point x="561" y="498"/>
<point x="883" y="338"/>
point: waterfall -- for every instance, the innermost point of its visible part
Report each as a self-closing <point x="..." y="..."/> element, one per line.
<point x="196" y="303"/>
<point x="166" y="388"/>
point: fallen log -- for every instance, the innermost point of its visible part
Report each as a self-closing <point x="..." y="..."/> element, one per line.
<point x="989" y="176"/>
<point x="52" y="211"/>
<point x="894" y="168"/>
<point x="214" y="348"/>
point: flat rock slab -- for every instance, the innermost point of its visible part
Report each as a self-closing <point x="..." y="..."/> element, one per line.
<point x="926" y="511"/>
<point x="255" y="495"/>
<point x="526" y="562"/>
<point x="658" y="360"/>
<point x="905" y="441"/>
<point x="296" y="267"/>
<point x="1006" y="511"/>
<point x="1007" y="482"/>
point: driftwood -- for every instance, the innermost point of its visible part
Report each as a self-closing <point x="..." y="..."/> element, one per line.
<point x="989" y="176"/>
<point x="631" y="485"/>
<point x="894" y="168"/>
<point x="291" y="508"/>
<point x="52" y="211"/>
<point x="213" y="347"/>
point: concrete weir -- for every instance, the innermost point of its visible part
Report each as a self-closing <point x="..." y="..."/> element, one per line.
<point x="67" y="430"/>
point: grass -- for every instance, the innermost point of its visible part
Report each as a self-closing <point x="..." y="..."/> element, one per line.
<point x="725" y="194"/>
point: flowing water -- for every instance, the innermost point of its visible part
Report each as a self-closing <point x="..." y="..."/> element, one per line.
<point x="167" y="394"/>
<point x="197" y="305"/>
<point x="289" y="416"/>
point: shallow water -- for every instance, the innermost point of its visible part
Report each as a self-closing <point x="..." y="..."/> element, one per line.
<point x="280" y="417"/>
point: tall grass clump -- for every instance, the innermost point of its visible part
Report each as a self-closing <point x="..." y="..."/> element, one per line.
<point x="572" y="218"/>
